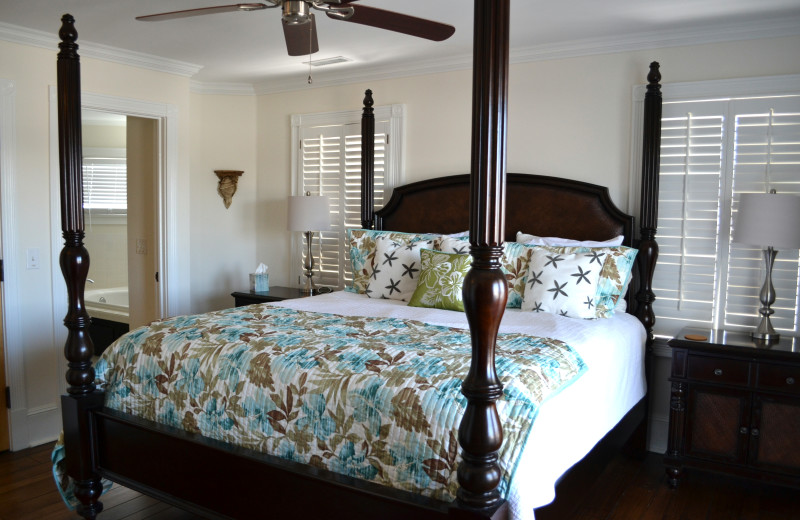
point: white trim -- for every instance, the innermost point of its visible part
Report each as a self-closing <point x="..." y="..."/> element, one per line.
<point x="167" y="115"/>
<point x="12" y="329"/>
<point x="46" y="40"/>
<point x="351" y="73"/>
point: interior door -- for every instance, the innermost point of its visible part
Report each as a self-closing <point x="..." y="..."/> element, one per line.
<point x="4" y="432"/>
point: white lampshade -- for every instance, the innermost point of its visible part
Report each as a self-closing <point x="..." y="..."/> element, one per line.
<point x="768" y="219"/>
<point x="309" y="213"/>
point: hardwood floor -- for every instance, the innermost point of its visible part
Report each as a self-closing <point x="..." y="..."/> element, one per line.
<point x="628" y="489"/>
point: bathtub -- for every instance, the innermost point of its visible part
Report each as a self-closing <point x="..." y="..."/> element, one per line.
<point x="108" y="304"/>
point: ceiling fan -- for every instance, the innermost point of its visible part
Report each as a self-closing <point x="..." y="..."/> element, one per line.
<point x="299" y="27"/>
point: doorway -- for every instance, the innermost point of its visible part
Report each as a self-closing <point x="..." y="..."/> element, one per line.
<point x="120" y="174"/>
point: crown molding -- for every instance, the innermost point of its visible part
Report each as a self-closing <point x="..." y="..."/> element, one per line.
<point x="223" y="89"/>
<point x="772" y="28"/>
<point x="46" y="40"/>
<point x="350" y="73"/>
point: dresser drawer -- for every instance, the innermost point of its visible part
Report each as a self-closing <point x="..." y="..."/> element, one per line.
<point x="779" y="377"/>
<point x="716" y="370"/>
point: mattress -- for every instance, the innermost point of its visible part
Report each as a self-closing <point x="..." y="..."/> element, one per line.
<point x="569" y="424"/>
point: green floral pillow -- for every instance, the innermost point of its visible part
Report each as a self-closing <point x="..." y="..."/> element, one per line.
<point x="514" y="264"/>
<point x="362" y="252"/>
<point x="441" y="280"/>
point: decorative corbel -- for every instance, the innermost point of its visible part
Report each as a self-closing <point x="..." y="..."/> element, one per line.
<point x="227" y="184"/>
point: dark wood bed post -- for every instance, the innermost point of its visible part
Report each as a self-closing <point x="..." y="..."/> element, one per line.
<point x="74" y="260"/>
<point x="651" y="163"/>
<point x="368" y="162"/>
<point x="485" y="288"/>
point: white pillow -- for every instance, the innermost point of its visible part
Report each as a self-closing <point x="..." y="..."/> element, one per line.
<point x="563" y="284"/>
<point x="533" y="240"/>
<point x="396" y="269"/>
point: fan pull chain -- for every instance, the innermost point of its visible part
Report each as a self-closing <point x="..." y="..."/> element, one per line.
<point x="310" y="48"/>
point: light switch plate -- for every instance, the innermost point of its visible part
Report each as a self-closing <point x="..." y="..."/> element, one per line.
<point x="32" y="258"/>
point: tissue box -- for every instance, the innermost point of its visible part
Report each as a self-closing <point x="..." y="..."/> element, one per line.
<point x="259" y="282"/>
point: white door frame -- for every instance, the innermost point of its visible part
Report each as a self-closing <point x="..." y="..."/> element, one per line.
<point x="15" y="361"/>
<point x="166" y="227"/>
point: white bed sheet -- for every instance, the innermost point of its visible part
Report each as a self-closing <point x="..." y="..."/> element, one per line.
<point x="569" y="424"/>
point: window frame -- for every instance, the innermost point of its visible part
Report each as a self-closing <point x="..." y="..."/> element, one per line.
<point x="394" y="174"/>
<point x="768" y="86"/>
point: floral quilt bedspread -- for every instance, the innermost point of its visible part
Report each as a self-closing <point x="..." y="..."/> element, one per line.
<point x="373" y="398"/>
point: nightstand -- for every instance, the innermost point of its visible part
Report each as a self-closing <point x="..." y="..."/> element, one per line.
<point x="275" y="294"/>
<point x="734" y="406"/>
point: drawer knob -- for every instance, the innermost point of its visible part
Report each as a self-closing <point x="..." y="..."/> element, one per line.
<point x="744" y="430"/>
<point x="754" y="432"/>
<point x="717" y="371"/>
<point x="789" y="380"/>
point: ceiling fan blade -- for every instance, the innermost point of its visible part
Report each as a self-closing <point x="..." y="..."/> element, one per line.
<point x="203" y="10"/>
<point x="301" y="39"/>
<point x="397" y="22"/>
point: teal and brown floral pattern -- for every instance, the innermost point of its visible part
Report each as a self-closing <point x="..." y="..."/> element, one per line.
<point x="374" y="398"/>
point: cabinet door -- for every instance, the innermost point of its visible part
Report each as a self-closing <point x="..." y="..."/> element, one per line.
<point x="717" y="423"/>
<point x="775" y="434"/>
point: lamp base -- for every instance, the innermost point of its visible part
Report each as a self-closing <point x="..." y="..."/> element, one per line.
<point x="769" y="337"/>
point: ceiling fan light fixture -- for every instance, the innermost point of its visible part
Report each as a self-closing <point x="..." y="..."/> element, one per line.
<point x="295" y="12"/>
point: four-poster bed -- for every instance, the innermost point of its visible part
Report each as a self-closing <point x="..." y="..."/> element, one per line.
<point x="214" y="478"/>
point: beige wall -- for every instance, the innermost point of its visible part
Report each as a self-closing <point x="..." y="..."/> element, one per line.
<point x="569" y="117"/>
<point x="223" y="249"/>
<point x="225" y="242"/>
<point x="142" y="145"/>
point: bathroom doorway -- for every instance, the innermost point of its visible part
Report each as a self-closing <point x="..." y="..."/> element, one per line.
<point x="120" y="172"/>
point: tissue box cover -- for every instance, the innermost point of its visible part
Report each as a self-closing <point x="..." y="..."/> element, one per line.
<point x="259" y="282"/>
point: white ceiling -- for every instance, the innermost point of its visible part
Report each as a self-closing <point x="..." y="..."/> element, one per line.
<point x="248" y="47"/>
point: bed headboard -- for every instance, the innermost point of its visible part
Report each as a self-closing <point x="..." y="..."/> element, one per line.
<point x="535" y="204"/>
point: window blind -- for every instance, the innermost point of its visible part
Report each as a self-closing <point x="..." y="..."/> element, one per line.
<point x="330" y="164"/>
<point x="105" y="185"/>
<point x="712" y="151"/>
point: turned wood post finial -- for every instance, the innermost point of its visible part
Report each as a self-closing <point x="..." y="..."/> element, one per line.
<point x="74" y="259"/>
<point x="368" y="162"/>
<point x="651" y="164"/>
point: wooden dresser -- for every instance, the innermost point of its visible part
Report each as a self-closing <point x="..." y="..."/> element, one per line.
<point x="734" y="406"/>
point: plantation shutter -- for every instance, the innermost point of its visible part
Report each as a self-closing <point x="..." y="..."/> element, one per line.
<point x="331" y="165"/>
<point x="766" y="156"/>
<point x="105" y="185"/>
<point x="711" y="152"/>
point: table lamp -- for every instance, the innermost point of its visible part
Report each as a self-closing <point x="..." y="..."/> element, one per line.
<point x="308" y="214"/>
<point x="769" y="220"/>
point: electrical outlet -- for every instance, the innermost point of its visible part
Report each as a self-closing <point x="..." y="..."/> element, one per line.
<point x="141" y="246"/>
<point x="32" y="258"/>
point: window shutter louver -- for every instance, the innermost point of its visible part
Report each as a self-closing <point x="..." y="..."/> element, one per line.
<point x="711" y="152"/>
<point x="331" y="165"/>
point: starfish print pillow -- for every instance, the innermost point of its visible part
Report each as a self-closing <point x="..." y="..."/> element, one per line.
<point x="617" y="265"/>
<point x="562" y="283"/>
<point x="395" y="268"/>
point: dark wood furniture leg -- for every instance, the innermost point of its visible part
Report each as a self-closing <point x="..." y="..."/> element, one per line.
<point x="485" y="289"/>
<point x="82" y="396"/>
